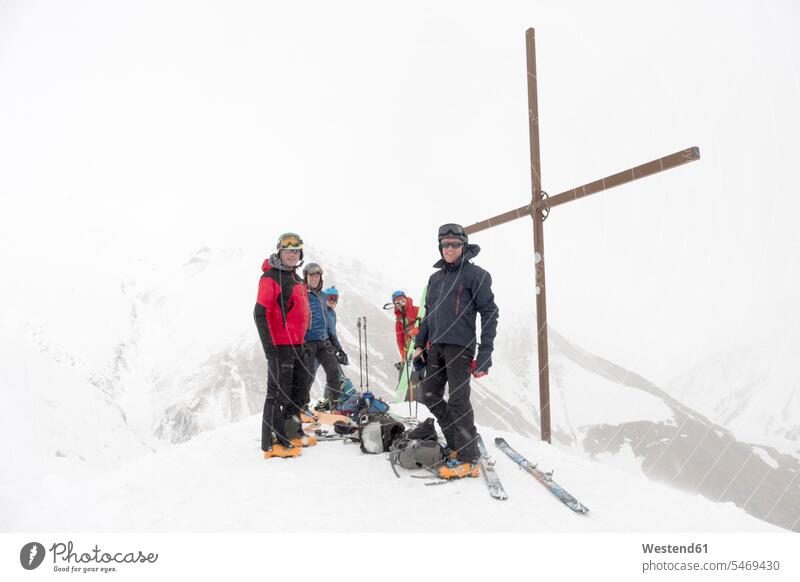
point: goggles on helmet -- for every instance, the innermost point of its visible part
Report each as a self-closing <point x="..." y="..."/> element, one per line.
<point x="452" y="229"/>
<point x="290" y="241"/>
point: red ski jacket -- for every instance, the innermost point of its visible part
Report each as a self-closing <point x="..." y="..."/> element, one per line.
<point x="406" y="325"/>
<point x="282" y="313"/>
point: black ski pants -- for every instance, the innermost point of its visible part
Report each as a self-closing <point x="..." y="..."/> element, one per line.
<point x="323" y="353"/>
<point x="449" y="364"/>
<point x="285" y="376"/>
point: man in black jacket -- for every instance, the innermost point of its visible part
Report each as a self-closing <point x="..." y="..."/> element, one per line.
<point x="457" y="292"/>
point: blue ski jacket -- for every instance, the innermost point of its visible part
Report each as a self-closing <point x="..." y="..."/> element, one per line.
<point x="321" y="327"/>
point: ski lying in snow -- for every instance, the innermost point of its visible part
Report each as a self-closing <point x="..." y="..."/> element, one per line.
<point x="324" y="435"/>
<point x="409" y="420"/>
<point x="492" y="480"/>
<point x="545" y="479"/>
<point x="331" y="419"/>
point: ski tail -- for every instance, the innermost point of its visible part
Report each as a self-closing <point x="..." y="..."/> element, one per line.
<point x="496" y="489"/>
<point x="546" y="479"/>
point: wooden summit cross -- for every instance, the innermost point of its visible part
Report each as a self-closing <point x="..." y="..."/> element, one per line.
<point x="539" y="207"/>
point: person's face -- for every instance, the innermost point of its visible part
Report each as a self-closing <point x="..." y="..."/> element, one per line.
<point x="332" y="301"/>
<point x="313" y="280"/>
<point x="400" y="303"/>
<point x="452" y="248"/>
<point x="290" y="257"/>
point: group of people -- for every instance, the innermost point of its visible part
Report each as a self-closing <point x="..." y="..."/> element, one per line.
<point x="296" y="321"/>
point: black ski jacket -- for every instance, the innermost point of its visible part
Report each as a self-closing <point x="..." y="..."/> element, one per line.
<point x="456" y="294"/>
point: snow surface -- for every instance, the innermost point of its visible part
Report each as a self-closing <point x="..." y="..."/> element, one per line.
<point x="218" y="481"/>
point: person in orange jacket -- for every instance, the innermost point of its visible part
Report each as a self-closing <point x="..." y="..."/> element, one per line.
<point x="406" y="324"/>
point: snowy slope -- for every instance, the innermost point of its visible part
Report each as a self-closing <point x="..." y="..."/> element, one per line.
<point x="750" y="390"/>
<point x="218" y="482"/>
<point x="56" y="418"/>
<point x="189" y="362"/>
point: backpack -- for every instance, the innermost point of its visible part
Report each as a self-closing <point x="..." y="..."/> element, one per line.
<point x="426" y="431"/>
<point x="363" y="403"/>
<point x="377" y="432"/>
<point x="346" y="388"/>
<point x="416" y="454"/>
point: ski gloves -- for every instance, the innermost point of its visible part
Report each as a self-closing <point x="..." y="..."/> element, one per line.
<point x="482" y="370"/>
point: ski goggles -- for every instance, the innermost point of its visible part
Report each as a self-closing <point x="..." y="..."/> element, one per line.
<point x="333" y="299"/>
<point x="314" y="271"/>
<point x="452" y="229"/>
<point x="290" y="241"/>
<point x="451" y="245"/>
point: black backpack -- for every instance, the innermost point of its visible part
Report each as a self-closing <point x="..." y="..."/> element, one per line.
<point x="426" y="431"/>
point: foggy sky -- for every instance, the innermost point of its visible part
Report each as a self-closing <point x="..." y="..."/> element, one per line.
<point x="135" y="133"/>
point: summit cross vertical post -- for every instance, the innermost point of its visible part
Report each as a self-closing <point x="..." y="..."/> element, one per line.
<point x="539" y="208"/>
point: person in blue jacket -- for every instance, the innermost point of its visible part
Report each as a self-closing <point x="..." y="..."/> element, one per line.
<point x="321" y="344"/>
<point x="332" y="295"/>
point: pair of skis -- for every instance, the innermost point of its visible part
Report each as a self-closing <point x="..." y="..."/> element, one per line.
<point x="546" y="479"/>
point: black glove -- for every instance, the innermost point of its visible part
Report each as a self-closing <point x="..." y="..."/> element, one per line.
<point x="399" y="365"/>
<point x="341" y="357"/>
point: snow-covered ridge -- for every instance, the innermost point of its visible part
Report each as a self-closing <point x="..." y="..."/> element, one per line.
<point x="752" y="391"/>
<point x="190" y="362"/>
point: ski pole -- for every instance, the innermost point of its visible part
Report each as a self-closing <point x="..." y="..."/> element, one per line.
<point x="360" y="366"/>
<point x="408" y="378"/>
<point x="407" y="363"/>
<point x="366" y="353"/>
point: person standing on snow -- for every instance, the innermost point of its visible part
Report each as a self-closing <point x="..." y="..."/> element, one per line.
<point x="457" y="292"/>
<point x="321" y="342"/>
<point x="282" y="316"/>
<point x="405" y="326"/>
<point x="332" y="297"/>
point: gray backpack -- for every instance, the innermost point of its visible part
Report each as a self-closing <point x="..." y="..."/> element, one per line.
<point x="377" y="433"/>
<point x="416" y="454"/>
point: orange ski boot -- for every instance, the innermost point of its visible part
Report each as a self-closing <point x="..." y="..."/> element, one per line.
<point x="282" y="451"/>
<point x="305" y="440"/>
<point x="455" y="469"/>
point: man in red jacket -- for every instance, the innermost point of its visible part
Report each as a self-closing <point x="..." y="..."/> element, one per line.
<point x="282" y="317"/>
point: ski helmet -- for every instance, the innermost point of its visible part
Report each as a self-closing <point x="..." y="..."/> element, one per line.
<point x="312" y="269"/>
<point x="397" y="294"/>
<point x="290" y="240"/>
<point x="452" y="230"/>
<point x="331" y="292"/>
